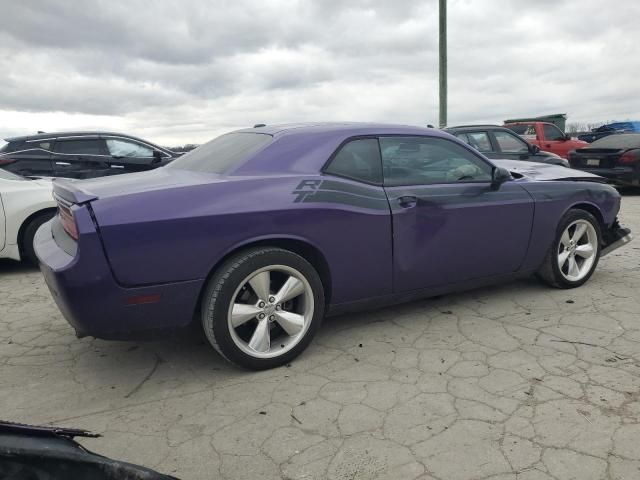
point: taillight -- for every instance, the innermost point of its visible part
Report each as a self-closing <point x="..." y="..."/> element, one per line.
<point x="68" y="222"/>
<point x="6" y="160"/>
<point x="66" y="217"/>
<point x="629" y="157"/>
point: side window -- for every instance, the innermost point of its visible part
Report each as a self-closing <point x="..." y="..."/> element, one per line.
<point x="359" y="160"/>
<point x="429" y="160"/>
<point x="92" y="146"/>
<point x="551" y="132"/>
<point x="510" y="143"/>
<point x="479" y="140"/>
<point x="43" y="145"/>
<point x="124" y="148"/>
<point x="13" y="147"/>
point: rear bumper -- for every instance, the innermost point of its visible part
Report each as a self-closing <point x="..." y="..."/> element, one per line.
<point x="94" y="304"/>
<point x="615" y="238"/>
<point x="623" y="176"/>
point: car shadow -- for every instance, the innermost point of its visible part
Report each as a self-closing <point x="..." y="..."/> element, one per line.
<point x="8" y="265"/>
<point x="629" y="191"/>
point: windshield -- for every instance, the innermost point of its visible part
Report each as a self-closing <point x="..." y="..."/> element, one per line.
<point x="622" y="140"/>
<point x="223" y="153"/>
<point x="9" y="176"/>
<point x="519" y="129"/>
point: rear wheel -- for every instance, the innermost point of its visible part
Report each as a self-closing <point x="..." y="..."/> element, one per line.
<point x="262" y="307"/>
<point x="575" y="252"/>
<point x="26" y="246"/>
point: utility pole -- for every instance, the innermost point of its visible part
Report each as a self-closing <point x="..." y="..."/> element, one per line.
<point x="443" y="62"/>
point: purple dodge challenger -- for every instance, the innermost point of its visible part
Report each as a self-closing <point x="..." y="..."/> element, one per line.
<point x="261" y="232"/>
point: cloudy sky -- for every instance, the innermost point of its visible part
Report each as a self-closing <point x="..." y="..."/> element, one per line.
<point x="184" y="71"/>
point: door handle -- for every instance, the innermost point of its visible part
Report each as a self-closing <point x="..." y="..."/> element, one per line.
<point x="63" y="164"/>
<point x="407" y="201"/>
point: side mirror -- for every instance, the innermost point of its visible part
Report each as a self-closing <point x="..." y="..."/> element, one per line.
<point x="566" y="137"/>
<point x="157" y="156"/>
<point x="533" y="149"/>
<point x="498" y="177"/>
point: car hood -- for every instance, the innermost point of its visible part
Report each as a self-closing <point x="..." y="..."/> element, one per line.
<point x="81" y="191"/>
<point x="545" y="171"/>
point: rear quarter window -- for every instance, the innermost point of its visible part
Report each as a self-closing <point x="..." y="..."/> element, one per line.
<point x="12" y="147"/>
<point x="620" y="140"/>
<point x="222" y="154"/>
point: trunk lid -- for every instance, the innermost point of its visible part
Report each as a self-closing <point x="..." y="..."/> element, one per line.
<point x="84" y="191"/>
<point x="595" y="157"/>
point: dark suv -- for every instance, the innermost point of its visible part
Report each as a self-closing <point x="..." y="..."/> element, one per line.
<point x="501" y="143"/>
<point x="81" y="155"/>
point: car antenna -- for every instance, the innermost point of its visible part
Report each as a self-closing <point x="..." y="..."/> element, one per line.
<point x="258" y="125"/>
<point x="40" y="131"/>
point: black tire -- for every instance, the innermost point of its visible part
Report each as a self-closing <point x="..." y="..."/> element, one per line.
<point x="220" y="291"/>
<point x="550" y="270"/>
<point x="26" y="245"/>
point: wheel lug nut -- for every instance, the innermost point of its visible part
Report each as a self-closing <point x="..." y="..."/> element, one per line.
<point x="261" y="305"/>
<point x="261" y="316"/>
<point x="272" y="318"/>
<point x="278" y="307"/>
<point x="272" y="299"/>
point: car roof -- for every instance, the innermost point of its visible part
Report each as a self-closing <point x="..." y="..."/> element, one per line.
<point x="346" y="128"/>
<point x="476" y="127"/>
<point x="54" y="135"/>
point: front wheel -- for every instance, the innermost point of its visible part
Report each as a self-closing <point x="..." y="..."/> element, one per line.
<point x="262" y="307"/>
<point x="575" y="252"/>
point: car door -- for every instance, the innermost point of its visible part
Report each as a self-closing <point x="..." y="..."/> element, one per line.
<point x="30" y="158"/>
<point x="554" y="140"/>
<point x="80" y="157"/>
<point x="131" y="156"/>
<point x="449" y="225"/>
<point x="510" y="146"/>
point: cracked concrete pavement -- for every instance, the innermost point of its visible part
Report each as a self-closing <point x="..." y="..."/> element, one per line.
<point x="517" y="381"/>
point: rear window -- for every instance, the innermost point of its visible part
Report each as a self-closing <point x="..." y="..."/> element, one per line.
<point x="223" y="153"/>
<point x="621" y="140"/>
<point x="519" y="129"/>
<point x="12" y="147"/>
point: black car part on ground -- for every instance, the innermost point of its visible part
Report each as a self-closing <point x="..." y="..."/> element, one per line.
<point x="615" y="237"/>
<point x="50" y="453"/>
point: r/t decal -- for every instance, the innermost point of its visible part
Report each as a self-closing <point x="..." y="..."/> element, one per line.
<point x="306" y="188"/>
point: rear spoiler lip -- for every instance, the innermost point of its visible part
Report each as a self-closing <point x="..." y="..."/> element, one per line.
<point x="70" y="191"/>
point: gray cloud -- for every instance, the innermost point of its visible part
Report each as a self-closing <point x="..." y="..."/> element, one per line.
<point x="185" y="71"/>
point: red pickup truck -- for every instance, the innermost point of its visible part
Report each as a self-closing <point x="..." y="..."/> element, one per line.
<point x="546" y="136"/>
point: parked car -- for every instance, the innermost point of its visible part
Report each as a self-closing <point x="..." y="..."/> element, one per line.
<point x="262" y="231"/>
<point x="501" y="143"/>
<point x="610" y="129"/>
<point x="546" y="136"/>
<point x="81" y="154"/>
<point x="616" y="157"/>
<point x="24" y="206"/>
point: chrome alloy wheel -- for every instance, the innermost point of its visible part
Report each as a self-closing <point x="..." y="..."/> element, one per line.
<point x="577" y="250"/>
<point x="270" y="311"/>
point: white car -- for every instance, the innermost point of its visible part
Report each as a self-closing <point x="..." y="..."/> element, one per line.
<point x="24" y="206"/>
